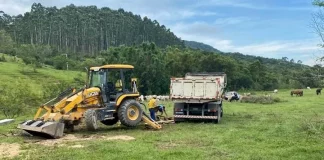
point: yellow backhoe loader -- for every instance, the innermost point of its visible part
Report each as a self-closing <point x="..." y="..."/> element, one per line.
<point x="106" y="97"/>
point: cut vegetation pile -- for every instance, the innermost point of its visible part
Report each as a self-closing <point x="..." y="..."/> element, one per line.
<point x="261" y="99"/>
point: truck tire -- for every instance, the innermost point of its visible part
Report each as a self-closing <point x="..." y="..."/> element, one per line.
<point x="219" y="114"/>
<point x="130" y="113"/>
<point x="222" y="111"/>
<point x="91" y="118"/>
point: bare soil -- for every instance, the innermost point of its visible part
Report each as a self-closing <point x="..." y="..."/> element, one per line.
<point x="8" y="150"/>
<point x="77" y="146"/>
<point x="73" y="138"/>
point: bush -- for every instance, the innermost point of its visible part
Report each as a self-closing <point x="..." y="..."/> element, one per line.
<point x="51" y="91"/>
<point x="79" y="81"/>
<point x="16" y="98"/>
<point x="6" y="43"/>
<point x="261" y="99"/>
<point x="313" y="126"/>
<point x="3" y="58"/>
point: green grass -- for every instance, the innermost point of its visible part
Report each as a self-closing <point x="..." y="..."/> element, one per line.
<point x="285" y="130"/>
<point x="14" y="70"/>
<point x="292" y="129"/>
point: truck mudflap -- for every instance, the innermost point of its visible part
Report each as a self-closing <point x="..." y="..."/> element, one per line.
<point x="195" y="117"/>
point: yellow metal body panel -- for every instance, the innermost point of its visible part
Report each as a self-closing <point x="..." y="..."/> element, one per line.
<point x="63" y="109"/>
<point x="79" y="103"/>
<point x="113" y="66"/>
<point x="122" y="97"/>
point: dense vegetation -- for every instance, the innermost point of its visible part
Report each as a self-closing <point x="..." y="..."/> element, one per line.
<point x="78" y="37"/>
<point x="84" y="29"/>
<point x="200" y="46"/>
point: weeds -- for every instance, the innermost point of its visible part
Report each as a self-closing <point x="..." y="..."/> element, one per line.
<point x="313" y="126"/>
<point x="261" y="99"/>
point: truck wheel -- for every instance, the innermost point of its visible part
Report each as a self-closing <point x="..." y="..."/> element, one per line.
<point x="218" y="113"/>
<point x="130" y="113"/>
<point x="222" y="112"/>
<point x="91" y="118"/>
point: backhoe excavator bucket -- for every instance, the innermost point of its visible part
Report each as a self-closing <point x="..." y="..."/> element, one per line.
<point x="43" y="129"/>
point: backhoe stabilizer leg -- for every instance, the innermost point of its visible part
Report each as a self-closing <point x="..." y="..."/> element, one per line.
<point x="150" y="121"/>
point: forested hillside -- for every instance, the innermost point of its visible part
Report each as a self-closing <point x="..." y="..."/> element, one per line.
<point x="201" y="46"/>
<point x="85" y="36"/>
<point x="85" y="29"/>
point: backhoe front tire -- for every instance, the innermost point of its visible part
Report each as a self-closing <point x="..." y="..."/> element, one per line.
<point x="91" y="119"/>
<point x="130" y="113"/>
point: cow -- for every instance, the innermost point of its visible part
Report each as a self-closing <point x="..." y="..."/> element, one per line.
<point x="308" y="88"/>
<point x="318" y="91"/>
<point x="297" y="92"/>
<point x="275" y="91"/>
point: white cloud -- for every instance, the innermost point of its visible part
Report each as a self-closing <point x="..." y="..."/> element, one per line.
<point x="232" y="3"/>
<point x="210" y="34"/>
<point x="13" y="7"/>
<point x="307" y="51"/>
<point x="249" y="5"/>
<point x="231" y="20"/>
<point x="279" y="47"/>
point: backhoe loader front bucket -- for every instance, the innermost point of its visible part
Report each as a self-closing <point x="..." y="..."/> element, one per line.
<point x="43" y="129"/>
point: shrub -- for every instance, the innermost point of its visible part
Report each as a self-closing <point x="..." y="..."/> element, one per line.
<point x="261" y="99"/>
<point x="16" y="98"/>
<point x="313" y="126"/>
<point x="3" y="58"/>
<point x="51" y="91"/>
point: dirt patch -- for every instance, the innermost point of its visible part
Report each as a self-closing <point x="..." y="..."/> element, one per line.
<point x="77" y="146"/>
<point x="9" y="150"/>
<point x="73" y="138"/>
<point x="125" y="138"/>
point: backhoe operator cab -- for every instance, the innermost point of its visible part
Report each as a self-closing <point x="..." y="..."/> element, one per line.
<point x="113" y="81"/>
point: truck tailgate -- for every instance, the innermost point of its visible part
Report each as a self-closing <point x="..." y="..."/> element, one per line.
<point x="195" y="88"/>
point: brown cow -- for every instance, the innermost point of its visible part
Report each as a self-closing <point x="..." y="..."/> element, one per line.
<point x="297" y="92"/>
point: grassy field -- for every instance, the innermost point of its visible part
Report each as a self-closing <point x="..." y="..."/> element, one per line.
<point x="15" y="70"/>
<point x="293" y="129"/>
<point x="287" y="130"/>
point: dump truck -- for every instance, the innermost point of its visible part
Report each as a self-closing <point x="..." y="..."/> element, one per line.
<point x="198" y="96"/>
<point x="109" y="96"/>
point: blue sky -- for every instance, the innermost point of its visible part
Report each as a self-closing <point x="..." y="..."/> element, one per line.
<point x="268" y="28"/>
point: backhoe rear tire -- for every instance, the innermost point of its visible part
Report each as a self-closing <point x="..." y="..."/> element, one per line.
<point x="90" y="117"/>
<point x="130" y="113"/>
